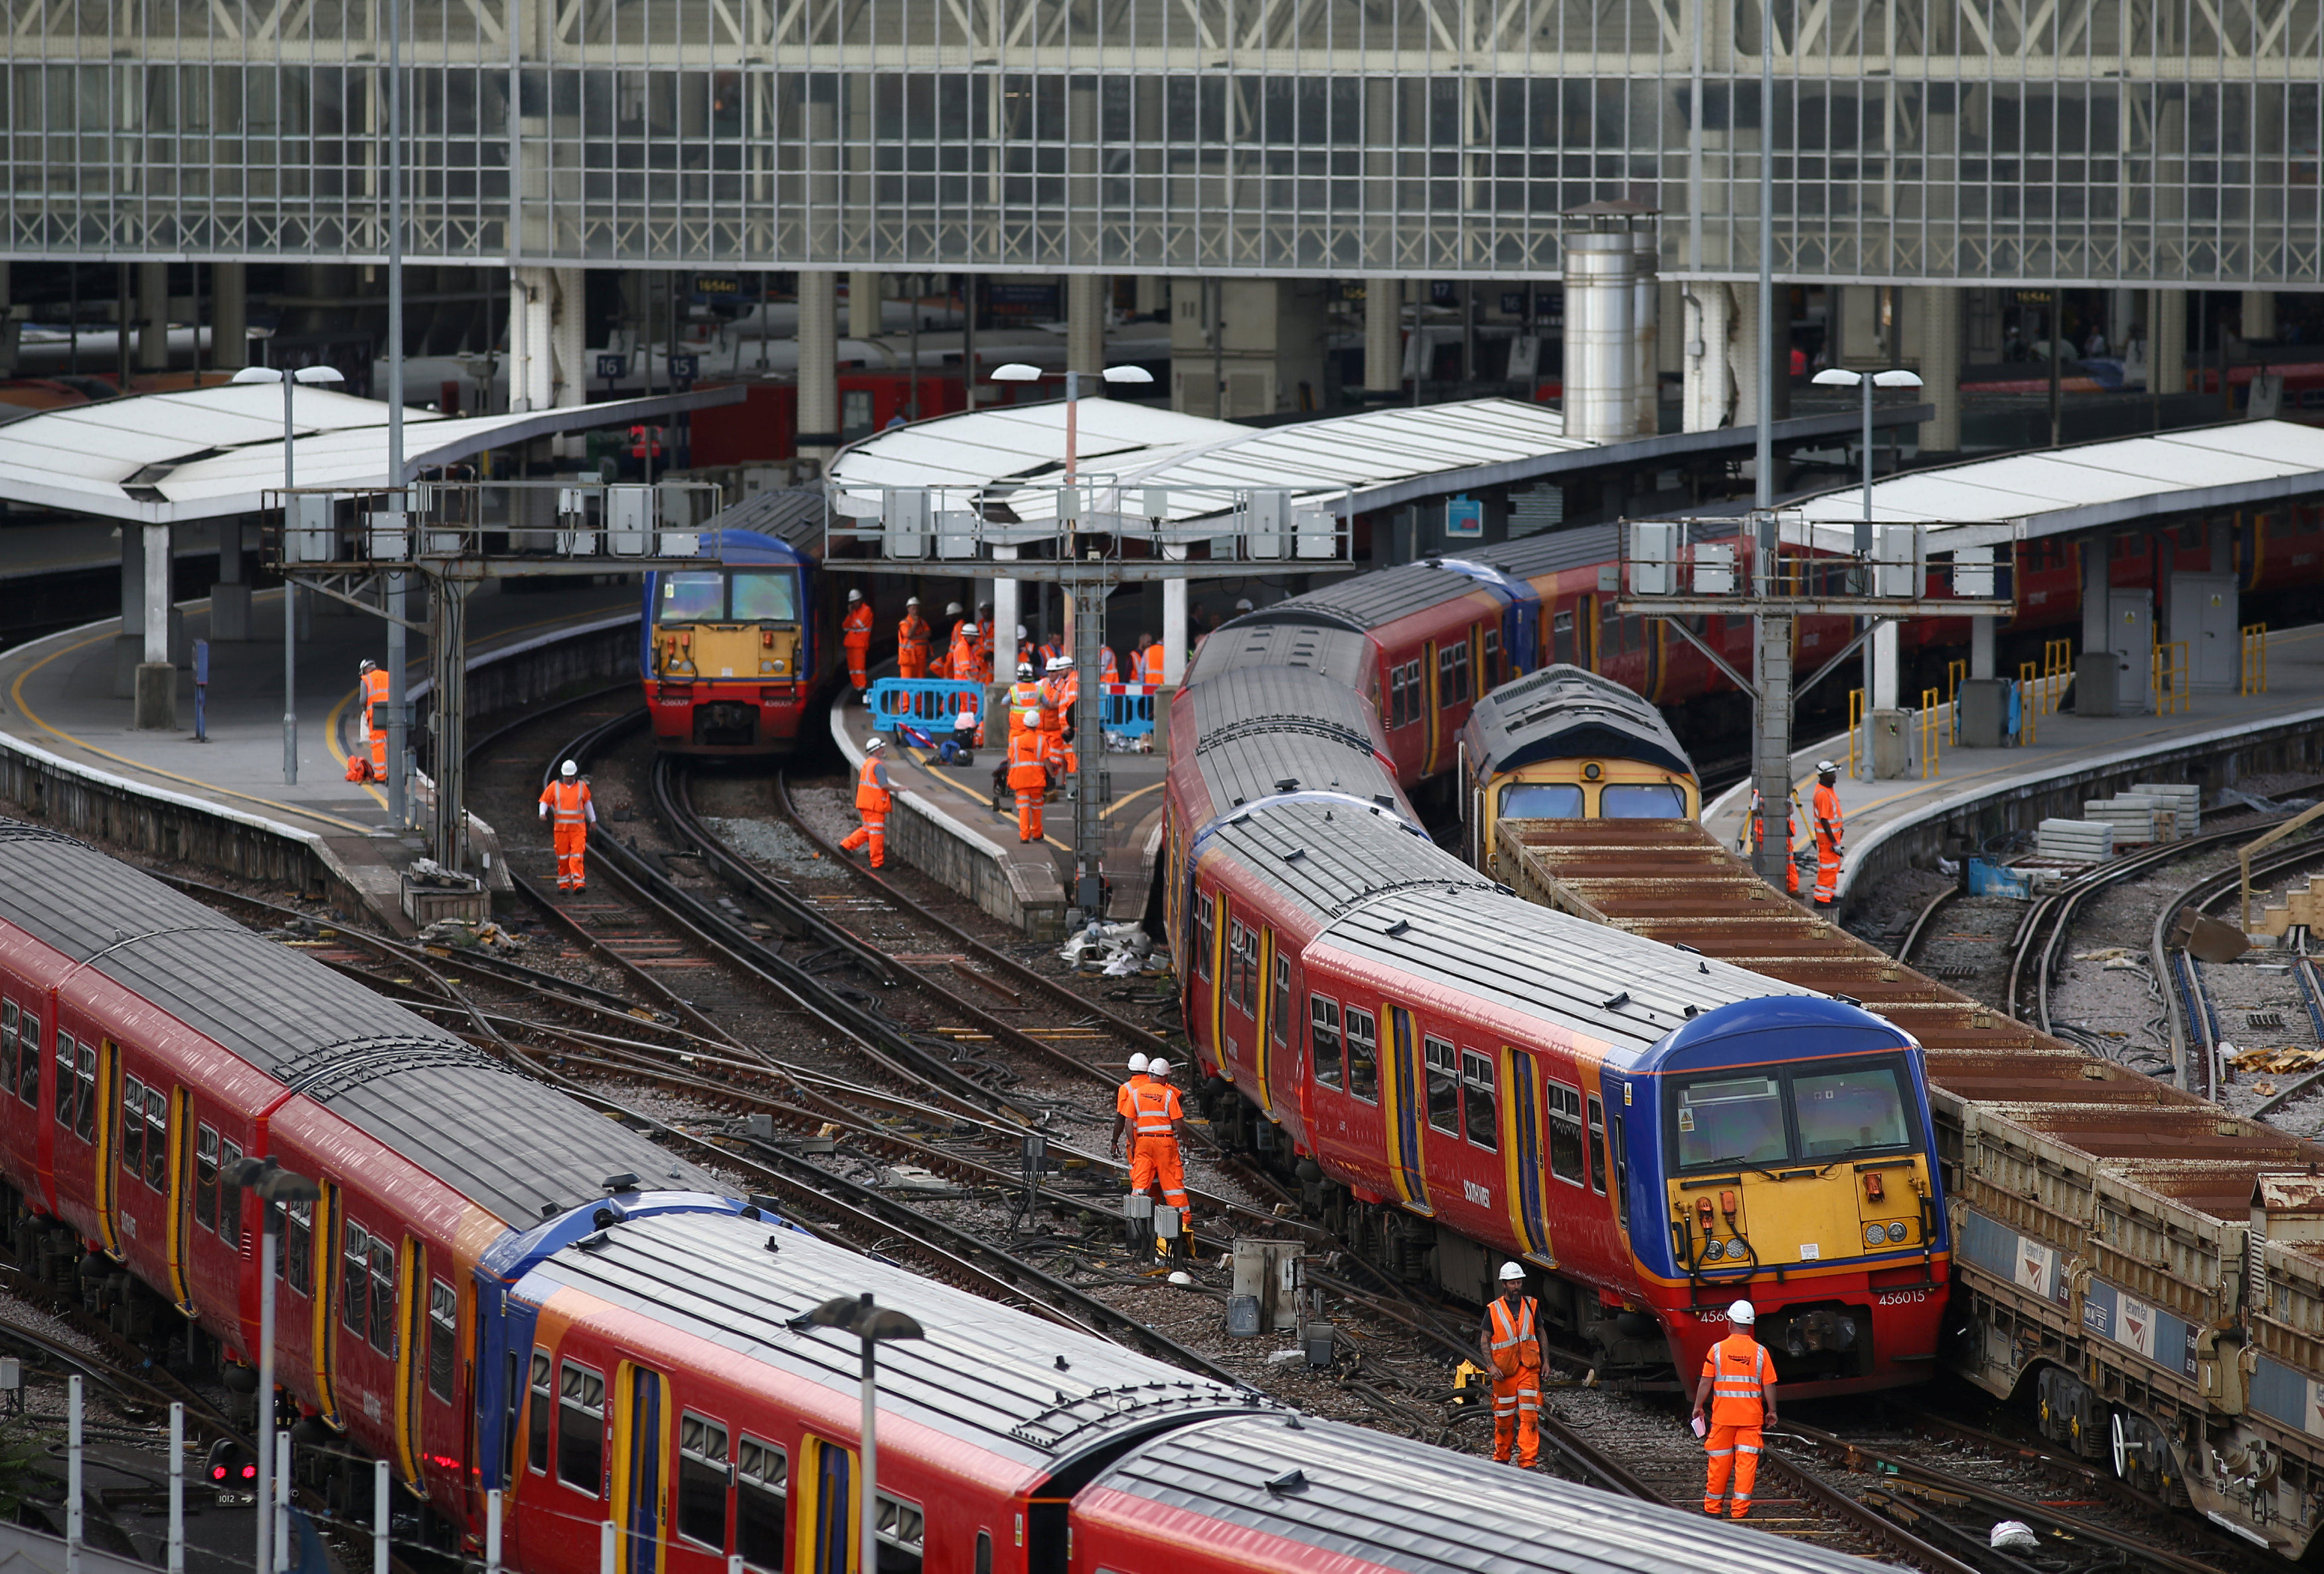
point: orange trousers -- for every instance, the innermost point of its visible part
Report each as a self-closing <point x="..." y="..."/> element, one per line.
<point x="1517" y="1418"/>
<point x="1030" y="801"/>
<point x="859" y="661"/>
<point x="379" y="749"/>
<point x="910" y="663"/>
<point x="572" y="842"/>
<point x="1155" y="1158"/>
<point x="1736" y="1449"/>
<point x="874" y="830"/>
<point x="1827" y="889"/>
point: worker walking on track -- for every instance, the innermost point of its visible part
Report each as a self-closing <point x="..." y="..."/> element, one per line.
<point x="1791" y="838"/>
<point x="1029" y="773"/>
<point x="912" y="642"/>
<point x="1510" y="1339"/>
<point x="1828" y="829"/>
<point x="1156" y="1120"/>
<point x="855" y="639"/>
<point x="1738" y="1387"/>
<point x="873" y="798"/>
<point x="566" y="799"/>
<point x="1125" y="1099"/>
<point x="372" y="724"/>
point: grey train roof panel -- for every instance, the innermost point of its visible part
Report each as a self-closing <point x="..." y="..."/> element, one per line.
<point x="788" y="513"/>
<point x="1340" y="655"/>
<point x="1380" y="1500"/>
<point x="1267" y="730"/>
<point x="1334" y="857"/>
<point x="986" y="1374"/>
<point x="1569" y="713"/>
<point x="510" y="1143"/>
<point x="1365" y="600"/>
<point x="1550" y="552"/>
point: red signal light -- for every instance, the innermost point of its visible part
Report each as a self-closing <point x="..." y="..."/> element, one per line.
<point x="250" y="1472"/>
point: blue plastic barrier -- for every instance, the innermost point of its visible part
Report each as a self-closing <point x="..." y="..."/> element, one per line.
<point x="1126" y="710"/>
<point x="928" y="702"/>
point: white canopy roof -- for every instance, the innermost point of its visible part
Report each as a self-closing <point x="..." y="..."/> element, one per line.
<point x="212" y="452"/>
<point x="2096" y="484"/>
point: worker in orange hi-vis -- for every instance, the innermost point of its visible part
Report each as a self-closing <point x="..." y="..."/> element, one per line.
<point x="566" y="799"/>
<point x="1828" y="830"/>
<point x="371" y="725"/>
<point x="1109" y="665"/>
<point x="855" y="639"/>
<point x="984" y="633"/>
<point x="912" y="642"/>
<point x="1024" y="698"/>
<point x="1059" y="689"/>
<point x="1510" y="1340"/>
<point x="1147" y="662"/>
<point x="1028" y="774"/>
<point x="946" y="641"/>
<point x="1739" y="1386"/>
<point x="966" y="668"/>
<point x="1791" y="838"/>
<point x="1156" y="1120"/>
<point x="874" y="798"/>
<point x="1125" y="1098"/>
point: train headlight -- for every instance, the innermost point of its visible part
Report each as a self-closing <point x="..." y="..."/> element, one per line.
<point x="1897" y="1231"/>
<point x="1736" y="1249"/>
<point x="1874" y="1234"/>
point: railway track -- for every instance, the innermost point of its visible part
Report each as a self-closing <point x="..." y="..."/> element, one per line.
<point x="2195" y="1026"/>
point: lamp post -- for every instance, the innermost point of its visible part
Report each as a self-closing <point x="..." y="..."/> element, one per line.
<point x="1839" y="377"/>
<point x="871" y="1324"/>
<point x="313" y="376"/>
<point x="1018" y="371"/>
<point x="276" y="1188"/>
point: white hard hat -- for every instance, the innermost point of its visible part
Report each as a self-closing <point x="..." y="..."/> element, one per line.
<point x="1020" y="631"/>
<point x="367" y="665"/>
<point x="1033" y="720"/>
<point x="1061" y="664"/>
<point x="1024" y="670"/>
<point x="967" y="628"/>
<point x="1157" y="1067"/>
<point x="1243" y="605"/>
<point x="951" y="607"/>
<point x="1511" y="1271"/>
<point x="570" y="769"/>
<point x="874" y="741"/>
<point x="1741" y="1315"/>
<point x="1137" y="1062"/>
<point x="1825" y="767"/>
<point x="855" y="595"/>
<point x="911" y="600"/>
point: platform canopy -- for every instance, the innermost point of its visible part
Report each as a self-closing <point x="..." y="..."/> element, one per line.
<point x="214" y="453"/>
<point x="2091" y="486"/>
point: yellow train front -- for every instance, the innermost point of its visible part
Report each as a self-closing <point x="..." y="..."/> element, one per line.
<point x="730" y="653"/>
<point x="1566" y="743"/>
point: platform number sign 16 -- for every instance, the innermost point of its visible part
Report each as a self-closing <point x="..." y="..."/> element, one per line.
<point x="613" y="368"/>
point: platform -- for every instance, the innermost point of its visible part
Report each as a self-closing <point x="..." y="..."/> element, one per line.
<point x="1983" y="791"/>
<point x="946" y="824"/>
<point x="60" y="724"/>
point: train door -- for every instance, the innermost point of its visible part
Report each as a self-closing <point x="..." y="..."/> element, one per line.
<point x="1431" y="705"/>
<point x="1405" y="1111"/>
<point x="106" y="1193"/>
<point x="179" y="1246"/>
<point x="141" y="1171"/>
<point x="1211" y="935"/>
<point x="826" y="1541"/>
<point x="1269" y="1036"/>
<point x="415" y="1353"/>
<point x="641" y="1479"/>
<point x="1525" y="1155"/>
<point x="1237" y="1044"/>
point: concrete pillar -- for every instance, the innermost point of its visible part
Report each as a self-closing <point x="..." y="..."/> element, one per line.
<point x="1932" y="342"/>
<point x="229" y="316"/>
<point x="532" y="339"/>
<point x="1006" y="617"/>
<point x="153" y="317"/>
<point x="2122" y="317"/>
<point x="2166" y="357"/>
<point x="1745" y="365"/>
<point x="1085" y="314"/>
<point x="1887" y="668"/>
<point x="818" y="365"/>
<point x="230" y="596"/>
<point x="156" y="701"/>
<point x="2258" y="315"/>
<point x="1173" y="621"/>
<point x="1710" y="322"/>
<point x="1384" y="335"/>
<point x="129" y="644"/>
<point x="2097" y="579"/>
<point x="1645" y="309"/>
<point x="1153" y="295"/>
<point x="862" y="304"/>
<point x="1981" y="648"/>
<point x="568" y="332"/>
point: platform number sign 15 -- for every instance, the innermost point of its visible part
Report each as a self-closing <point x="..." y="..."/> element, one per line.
<point x="683" y="369"/>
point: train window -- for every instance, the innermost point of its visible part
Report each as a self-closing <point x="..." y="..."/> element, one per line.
<point x="1565" y="1132"/>
<point x="157" y="1139"/>
<point x="1205" y="924"/>
<point x="1404" y="701"/>
<point x="133" y="1126"/>
<point x="1363" y="1055"/>
<point x="382" y="1296"/>
<point x="443" y="1334"/>
<point x="984" y="1553"/>
<point x="1493" y="675"/>
<point x="702" y="1478"/>
<point x="1597" y="1146"/>
<point x="1622" y="1175"/>
<point x="64" y="1089"/>
<point x="229" y="1195"/>
<point x="28" y="1061"/>
<point x="1324" y="1039"/>
<point x="1610" y="629"/>
<point x="536" y="1420"/>
<point x="1246" y="965"/>
<point x="299" y="1246"/>
<point x="1854" y="1110"/>
<point x="1238" y="964"/>
<point x="1560" y="636"/>
<point x="581" y="1429"/>
<point x="8" y="1038"/>
<point x="1731" y="1120"/>
<point x="1278" y="1010"/>
<point x="1477" y="1100"/>
<point x="1452" y="675"/>
<point x="1642" y="801"/>
<point x="354" y="1275"/>
<point x="1443" y="1085"/>
<point x="766" y="596"/>
<point x="902" y="1531"/>
<point x="692" y="597"/>
<point x="206" y="1177"/>
<point x="762" y="1487"/>
<point x="85" y="1104"/>
<point x="1540" y="800"/>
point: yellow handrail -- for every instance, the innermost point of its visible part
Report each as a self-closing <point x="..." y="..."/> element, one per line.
<point x="1930" y="730"/>
<point x="1855" y="725"/>
<point x="2170" y="665"/>
<point x="2029" y="700"/>
<point x="2057" y="666"/>
<point x="2254" y="658"/>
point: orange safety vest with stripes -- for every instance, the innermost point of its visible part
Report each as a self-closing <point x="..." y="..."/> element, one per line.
<point x="1513" y="1347"/>
<point x="1124" y="1094"/>
<point x="1023" y="695"/>
<point x="1827" y="822"/>
<point x="1154" y="1106"/>
<point x="568" y="801"/>
<point x="1150" y="661"/>
<point x="374" y="687"/>
<point x="1028" y="761"/>
<point x="1738" y="1370"/>
<point x="912" y="636"/>
<point x="871" y="795"/>
<point x="855" y="632"/>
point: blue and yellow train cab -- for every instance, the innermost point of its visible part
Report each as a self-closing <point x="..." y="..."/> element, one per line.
<point x="728" y="651"/>
<point x="1566" y="743"/>
<point x="1782" y="1150"/>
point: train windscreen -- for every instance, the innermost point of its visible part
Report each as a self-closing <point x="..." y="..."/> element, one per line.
<point x="1796" y="1114"/>
<point x="692" y="597"/>
<point x="766" y="595"/>
<point x="757" y="595"/>
<point x="1540" y="800"/>
<point x="1644" y="801"/>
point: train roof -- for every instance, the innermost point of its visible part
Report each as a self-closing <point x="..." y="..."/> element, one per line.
<point x="1339" y="654"/>
<point x="1364" y="602"/>
<point x="1551" y="551"/>
<point x="1267" y="730"/>
<point x="1568" y="713"/>
<point x="1308" y="1493"/>
<point x="996" y="1378"/>
<point x="512" y="1144"/>
<point x="792" y="515"/>
<point x="1333" y="856"/>
<point x="1621" y="988"/>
